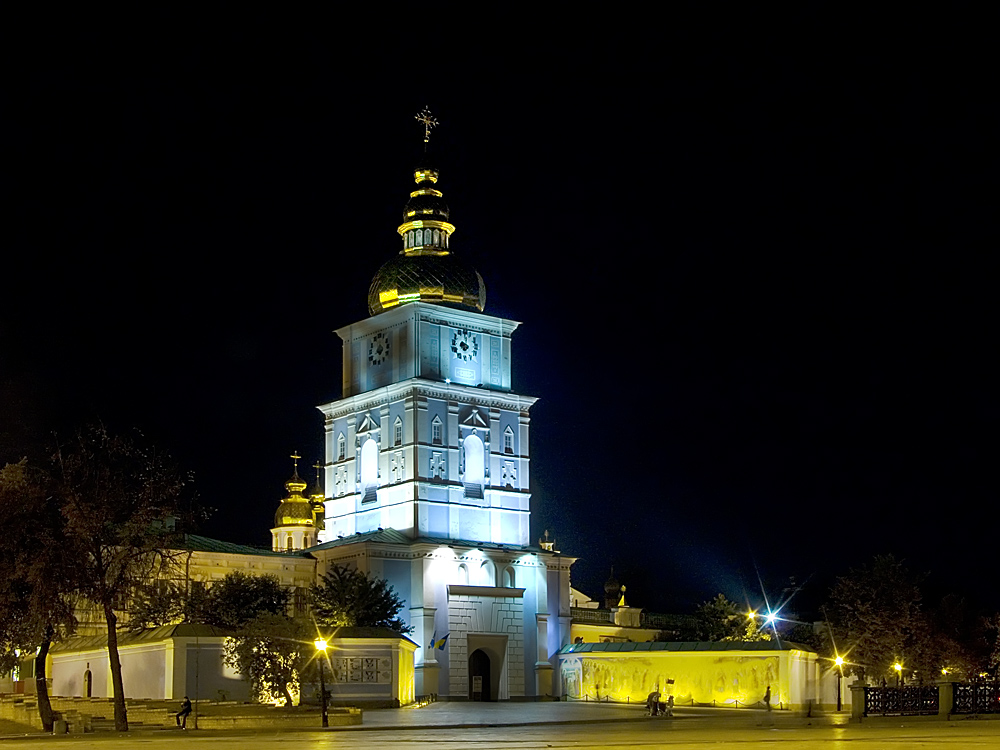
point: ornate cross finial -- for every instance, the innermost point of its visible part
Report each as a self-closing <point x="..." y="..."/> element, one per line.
<point x="427" y="120"/>
<point x="295" y="457"/>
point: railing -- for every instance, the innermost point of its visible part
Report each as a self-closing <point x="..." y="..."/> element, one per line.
<point x="977" y="698"/>
<point x="580" y="614"/>
<point x="909" y="700"/>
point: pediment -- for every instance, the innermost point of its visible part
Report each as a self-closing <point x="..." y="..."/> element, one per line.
<point x="368" y="424"/>
<point x="475" y="419"/>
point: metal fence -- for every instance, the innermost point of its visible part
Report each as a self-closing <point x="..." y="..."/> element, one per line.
<point x="910" y="700"/>
<point x="977" y="698"/>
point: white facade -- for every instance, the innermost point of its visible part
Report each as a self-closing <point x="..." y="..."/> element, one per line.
<point x="428" y="486"/>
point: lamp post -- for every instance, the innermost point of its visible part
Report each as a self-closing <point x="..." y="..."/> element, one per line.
<point x="839" y="661"/>
<point x="899" y="673"/>
<point x="320" y="644"/>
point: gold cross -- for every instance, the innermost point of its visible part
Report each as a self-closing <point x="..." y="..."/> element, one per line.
<point x="295" y="456"/>
<point x="427" y="119"/>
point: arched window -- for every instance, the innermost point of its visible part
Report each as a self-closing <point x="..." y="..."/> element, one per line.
<point x="341" y="447"/>
<point x="419" y="239"/>
<point x="369" y="467"/>
<point x="437" y="237"/>
<point x="508" y="578"/>
<point x="463" y="574"/>
<point x="475" y="464"/>
<point x="288" y="543"/>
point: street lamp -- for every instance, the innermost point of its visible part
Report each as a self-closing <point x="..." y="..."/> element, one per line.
<point x="899" y="673"/>
<point x="320" y="644"/>
<point x="839" y="661"/>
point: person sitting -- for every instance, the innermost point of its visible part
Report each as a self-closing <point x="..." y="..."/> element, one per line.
<point x="183" y="713"/>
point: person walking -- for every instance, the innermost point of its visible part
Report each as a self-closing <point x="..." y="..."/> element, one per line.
<point x="183" y="713"/>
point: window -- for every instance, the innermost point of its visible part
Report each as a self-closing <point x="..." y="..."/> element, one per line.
<point x="369" y="470"/>
<point x="436" y="430"/>
<point x="508" y="440"/>
<point x="397" y="432"/>
<point x="475" y="466"/>
<point x="341" y="447"/>
<point x="288" y="543"/>
<point x="463" y="574"/>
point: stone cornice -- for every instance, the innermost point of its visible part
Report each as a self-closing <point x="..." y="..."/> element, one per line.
<point x="416" y="387"/>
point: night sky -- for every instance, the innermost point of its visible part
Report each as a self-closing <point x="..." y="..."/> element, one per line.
<point x="753" y="258"/>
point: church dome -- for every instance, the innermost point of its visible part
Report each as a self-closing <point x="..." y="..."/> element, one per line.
<point x="443" y="279"/>
<point x="294" y="512"/>
<point x="426" y="269"/>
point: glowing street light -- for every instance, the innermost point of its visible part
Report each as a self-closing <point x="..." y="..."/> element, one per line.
<point x="839" y="661"/>
<point x="899" y="673"/>
<point x="320" y="644"/>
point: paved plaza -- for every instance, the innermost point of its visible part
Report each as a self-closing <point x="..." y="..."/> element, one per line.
<point x="580" y="726"/>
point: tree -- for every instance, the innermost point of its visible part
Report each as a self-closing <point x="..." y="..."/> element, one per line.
<point x="36" y="589"/>
<point x="345" y="597"/>
<point x="120" y="500"/>
<point x="229" y="604"/>
<point x="240" y="597"/>
<point x="270" y="651"/>
<point x="876" y="618"/>
<point x="719" y="620"/>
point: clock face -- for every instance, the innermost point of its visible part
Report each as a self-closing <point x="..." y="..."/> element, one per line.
<point x="378" y="348"/>
<point x="465" y="345"/>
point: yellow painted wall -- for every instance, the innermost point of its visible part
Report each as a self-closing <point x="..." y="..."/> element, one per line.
<point x="705" y="676"/>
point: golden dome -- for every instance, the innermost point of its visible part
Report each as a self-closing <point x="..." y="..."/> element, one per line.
<point x="426" y="270"/>
<point x="294" y="510"/>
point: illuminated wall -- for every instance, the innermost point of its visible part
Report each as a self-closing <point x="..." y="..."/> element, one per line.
<point x="706" y="677"/>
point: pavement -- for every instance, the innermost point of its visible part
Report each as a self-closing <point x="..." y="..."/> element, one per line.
<point x="572" y="726"/>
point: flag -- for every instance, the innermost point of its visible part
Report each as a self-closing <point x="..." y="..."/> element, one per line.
<point x="439" y="645"/>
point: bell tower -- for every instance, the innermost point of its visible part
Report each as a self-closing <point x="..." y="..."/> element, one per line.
<point x="430" y="438"/>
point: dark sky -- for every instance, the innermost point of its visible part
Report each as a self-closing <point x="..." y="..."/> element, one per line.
<point x="753" y="257"/>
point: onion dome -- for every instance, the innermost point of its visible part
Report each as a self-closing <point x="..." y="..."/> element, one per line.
<point x="426" y="269"/>
<point x="295" y="510"/>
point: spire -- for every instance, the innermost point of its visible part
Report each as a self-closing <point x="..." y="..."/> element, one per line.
<point x="295" y="485"/>
<point x="426" y="269"/>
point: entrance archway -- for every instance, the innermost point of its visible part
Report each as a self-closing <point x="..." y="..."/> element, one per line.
<point x="480" y="682"/>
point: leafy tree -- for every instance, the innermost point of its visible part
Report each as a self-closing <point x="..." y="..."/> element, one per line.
<point x="345" y="597"/>
<point x="877" y="619"/>
<point x="155" y="603"/>
<point x="270" y="651"/>
<point x="36" y="589"/>
<point x="240" y="597"/>
<point x="752" y="632"/>
<point x="119" y="499"/>
<point x="719" y="620"/>
<point x="230" y="603"/>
